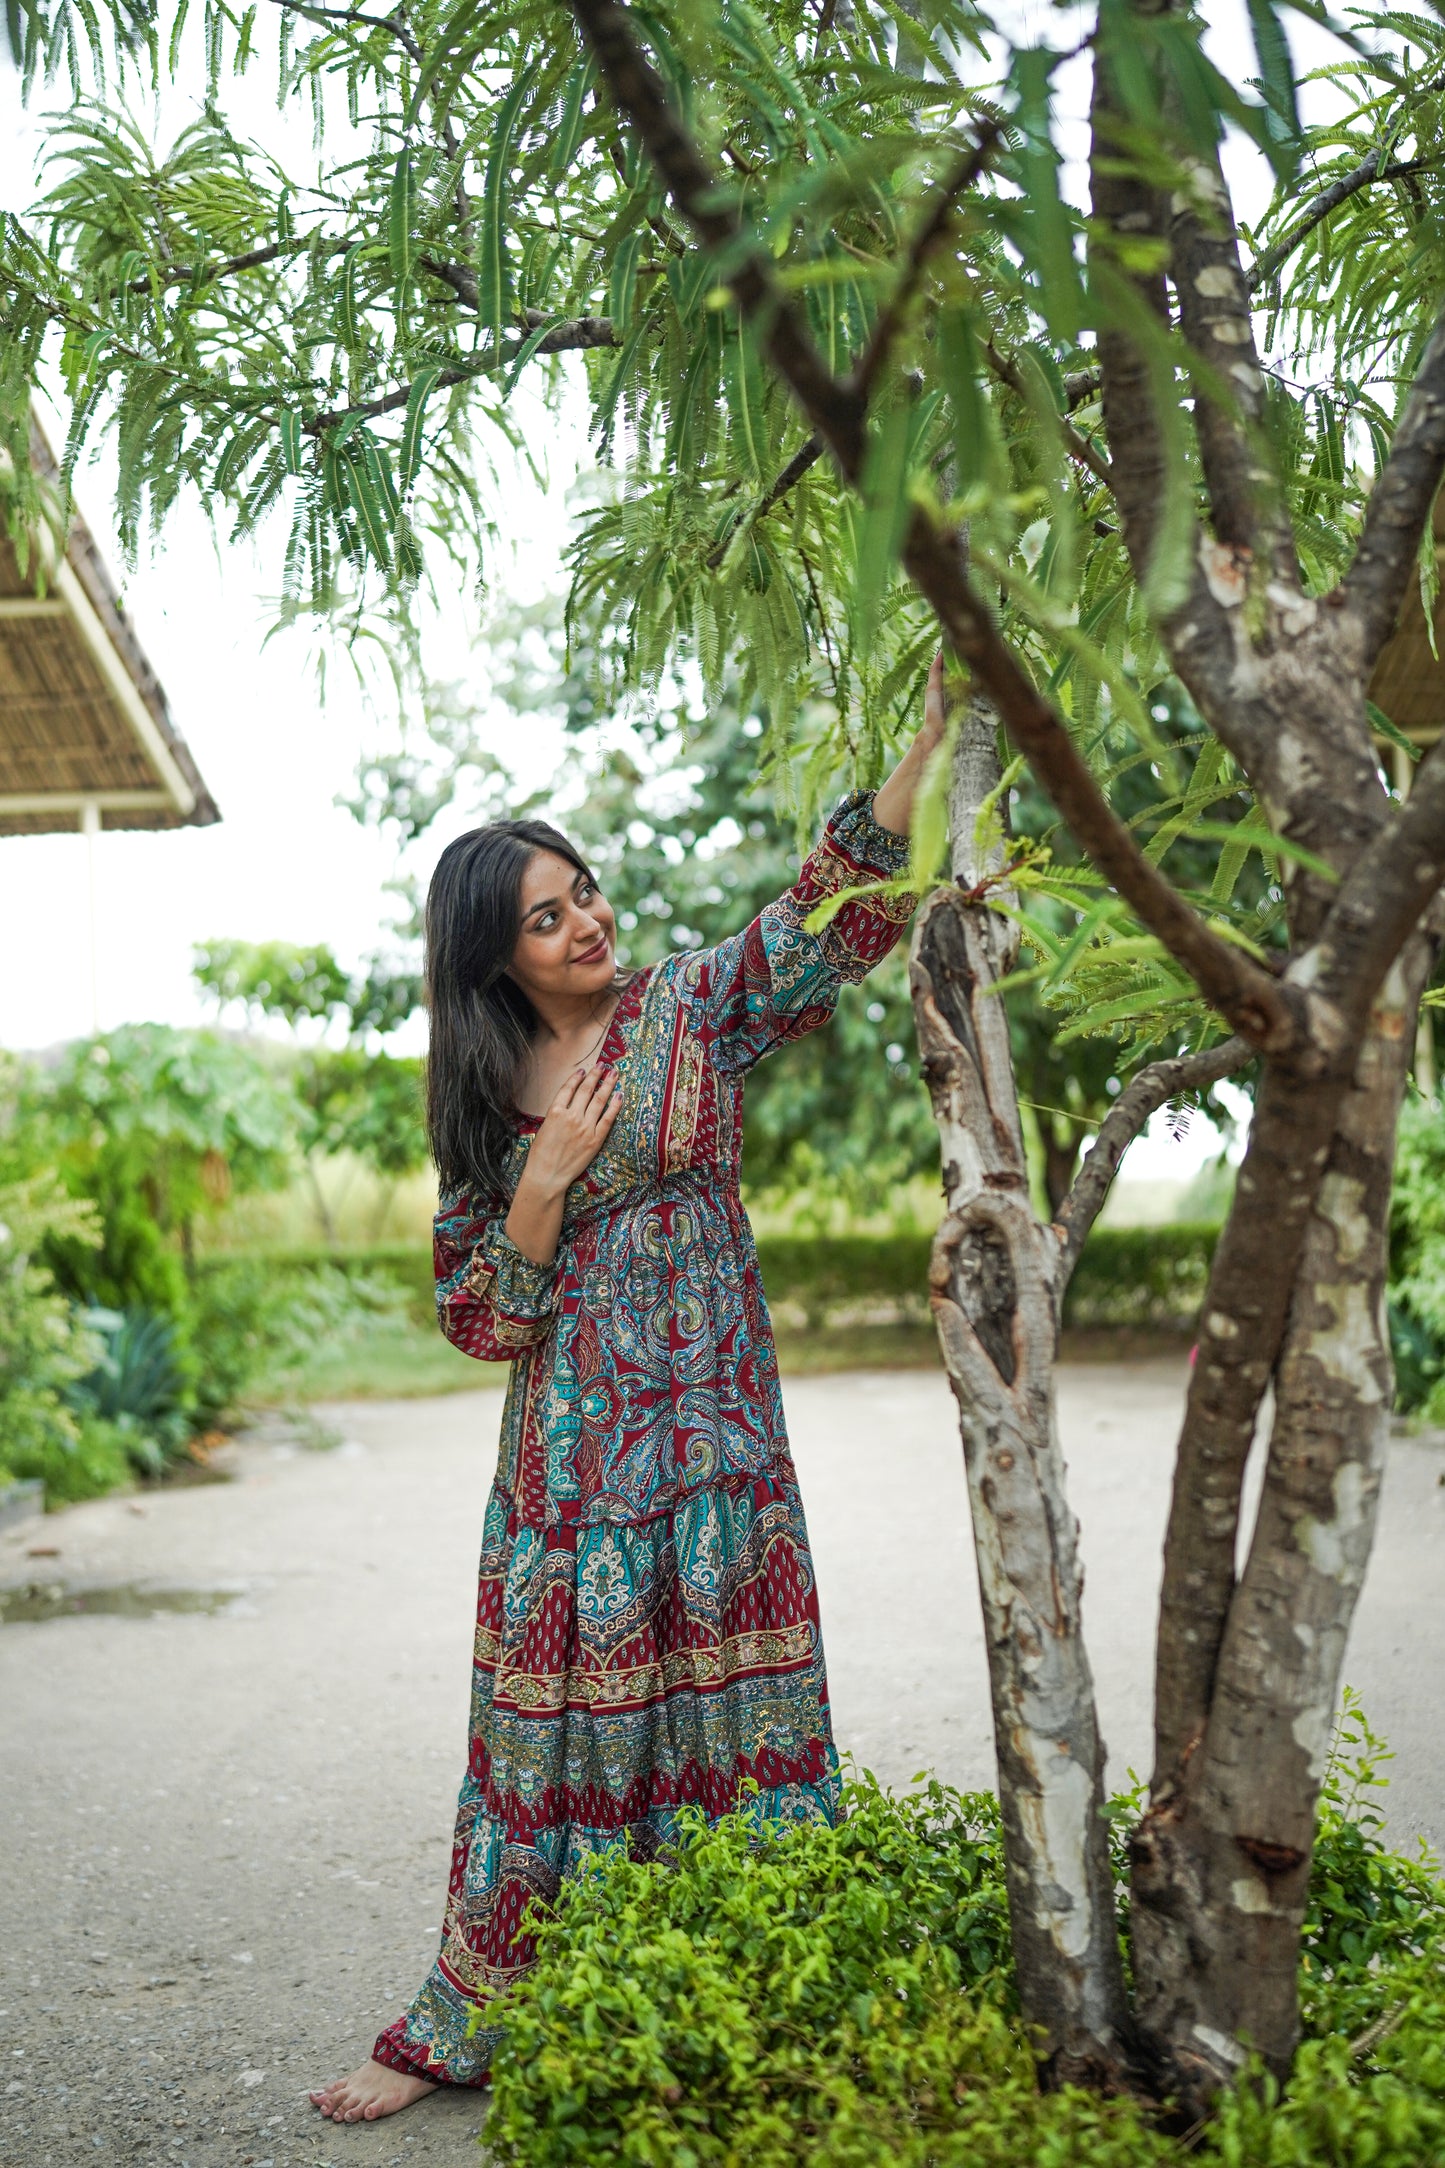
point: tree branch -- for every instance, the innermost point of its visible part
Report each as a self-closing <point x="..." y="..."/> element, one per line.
<point x="593" y="331"/>
<point x="1136" y="366"/>
<point x="1218" y="328"/>
<point x="1382" y="897"/>
<point x="1257" y="1005"/>
<point x="569" y="337"/>
<point x="931" y="232"/>
<point x="459" y="276"/>
<point x="809" y="452"/>
<point x="1151" y="1089"/>
<point x="1399" y="504"/>
<point x="1274" y="1017"/>
<point x="1129" y="213"/>
<point x="636" y="89"/>
<point x="1081" y="385"/>
<point x="1272" y="260"/>
<point x="206" y="274"/>
<point x="354" y="18"/>
<point x="1076" y="444"/>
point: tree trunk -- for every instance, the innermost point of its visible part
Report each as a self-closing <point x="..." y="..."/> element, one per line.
<point x="994" y="1281"/>
<point x="1222" y="1858"/>
<point x="323" y="1208"/>
<point x="1061" y="1158"/>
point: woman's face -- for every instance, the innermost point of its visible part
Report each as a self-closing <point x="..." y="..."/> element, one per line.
<point x="568" y="938"/>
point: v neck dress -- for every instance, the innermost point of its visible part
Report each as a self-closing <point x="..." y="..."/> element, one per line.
<point x="647" y="1621"/>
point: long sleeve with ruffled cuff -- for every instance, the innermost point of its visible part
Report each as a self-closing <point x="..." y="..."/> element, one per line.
<point x="492" y="1301"/>
<point x="776" y="980"/>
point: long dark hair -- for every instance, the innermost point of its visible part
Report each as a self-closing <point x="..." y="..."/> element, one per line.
<point x="482" y="1024"/>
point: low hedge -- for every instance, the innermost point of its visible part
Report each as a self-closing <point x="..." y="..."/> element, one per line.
<point x="844" y="1997"/>
<point x="1152" y="1276"/>
<point x="407" y="1266"/>
<point x="1127" y="1276"/>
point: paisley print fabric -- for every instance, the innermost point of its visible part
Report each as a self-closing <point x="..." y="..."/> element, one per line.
<point x="647" y="1622"/>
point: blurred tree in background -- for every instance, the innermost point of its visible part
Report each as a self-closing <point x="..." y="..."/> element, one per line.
<point x="157" y="1127"/>
<point x="367" y="1103"/>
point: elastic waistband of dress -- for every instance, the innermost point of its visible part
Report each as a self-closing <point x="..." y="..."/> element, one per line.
<point x="713" y="1184"/>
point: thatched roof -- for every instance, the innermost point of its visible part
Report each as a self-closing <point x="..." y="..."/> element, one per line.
<point x="83" y="717"/>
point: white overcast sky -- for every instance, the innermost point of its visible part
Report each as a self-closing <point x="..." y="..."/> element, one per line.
<point x="286" y="862"/>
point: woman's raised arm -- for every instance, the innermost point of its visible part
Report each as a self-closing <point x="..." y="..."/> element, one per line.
<point x="893" y="806"/>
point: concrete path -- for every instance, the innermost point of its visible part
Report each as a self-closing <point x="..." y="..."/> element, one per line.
<point x="225" y="1836"/>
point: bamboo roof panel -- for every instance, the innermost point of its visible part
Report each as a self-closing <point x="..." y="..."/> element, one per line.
<point x="84" y="719"/>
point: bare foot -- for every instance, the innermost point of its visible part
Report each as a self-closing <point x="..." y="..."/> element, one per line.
<point x="369" y="2093"/>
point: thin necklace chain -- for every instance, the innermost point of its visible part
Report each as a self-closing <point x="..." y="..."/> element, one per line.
<point x="592" y="1049"/>
<point x="602" y="1034"/>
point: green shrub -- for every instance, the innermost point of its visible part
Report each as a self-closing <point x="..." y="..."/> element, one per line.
<point x="835" y="1996"/>
<point x="825" y="1273"/>
<point x="402" y="1269"/>
<point x="1126" y="1276"/>
<point x="139" y="1387"/>
<point x="240" y="1313"/>
<point x="258" y="1316"/>
<point x="158" y="1127"/>
<point x="844" y="1998"/>
<point x="88" y="1460"/>
<point x="1417" y="1260"/>
<point x="45" y="1348"/>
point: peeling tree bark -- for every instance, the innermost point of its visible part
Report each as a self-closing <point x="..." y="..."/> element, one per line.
<point x="1222" y="1859"/>
<point x="995" y="1282"/>
<point x="1241" y="1328"/>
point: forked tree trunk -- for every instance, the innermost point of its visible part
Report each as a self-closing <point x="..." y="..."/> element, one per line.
<point x="1222" y="1859"/>
<point x="994" y="1279"/>
<point x="1247" y="1675"/>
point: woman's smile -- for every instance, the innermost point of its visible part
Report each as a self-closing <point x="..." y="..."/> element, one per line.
<point x="594" y="955"/>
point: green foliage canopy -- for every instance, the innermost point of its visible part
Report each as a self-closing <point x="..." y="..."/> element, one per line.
<point x="350" y="1099"/>
<point x="340" y="348"/>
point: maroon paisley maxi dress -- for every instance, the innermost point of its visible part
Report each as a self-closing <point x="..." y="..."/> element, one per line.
<point x="647" y="1621"/>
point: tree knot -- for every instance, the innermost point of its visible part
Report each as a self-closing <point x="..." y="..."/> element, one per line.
<point x="1271" y="1859"/>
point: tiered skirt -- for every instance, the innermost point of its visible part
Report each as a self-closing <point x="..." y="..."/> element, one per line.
<point x="622" y="1669"/>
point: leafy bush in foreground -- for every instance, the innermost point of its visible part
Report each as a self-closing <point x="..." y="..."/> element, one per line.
<point x="843" y="1997"/>
<point x="45" y="1348"/>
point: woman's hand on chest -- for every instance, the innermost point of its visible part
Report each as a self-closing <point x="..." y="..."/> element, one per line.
<point x="574" y="1130"/>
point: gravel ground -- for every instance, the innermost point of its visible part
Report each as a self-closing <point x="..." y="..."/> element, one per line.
<point x="226" y="1831"/>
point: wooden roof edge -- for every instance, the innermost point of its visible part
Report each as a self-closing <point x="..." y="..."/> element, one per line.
<point x="83" y="579"/>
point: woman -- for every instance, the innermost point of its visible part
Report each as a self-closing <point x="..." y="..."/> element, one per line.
<point x="647" y="1625"/>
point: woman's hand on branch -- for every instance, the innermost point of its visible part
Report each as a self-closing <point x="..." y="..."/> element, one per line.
<point x="893" y="805"/>
<point x="573" y="1132"/>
